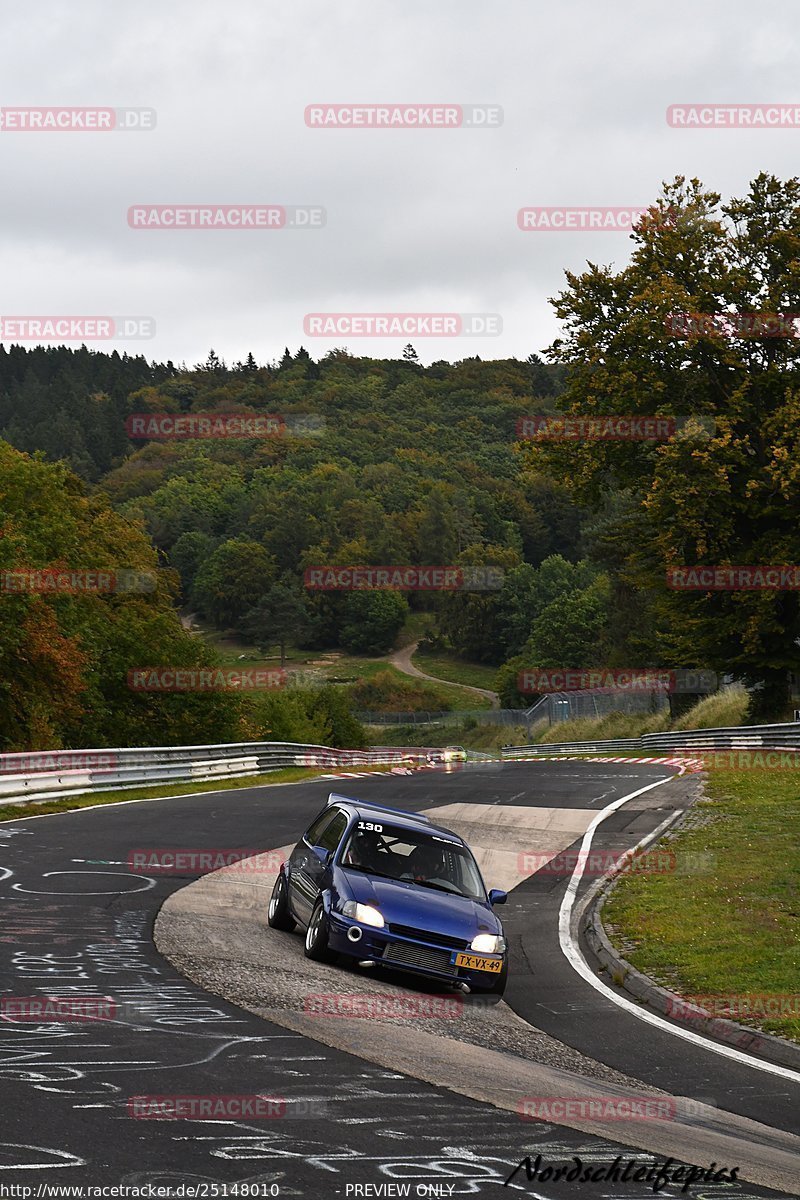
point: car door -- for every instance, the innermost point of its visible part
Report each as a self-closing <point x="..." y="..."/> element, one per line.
<point x="320" y="854"/>
<point x="301" y="878"/>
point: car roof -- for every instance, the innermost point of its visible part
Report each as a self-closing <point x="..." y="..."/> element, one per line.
<point x="369" y="811"/>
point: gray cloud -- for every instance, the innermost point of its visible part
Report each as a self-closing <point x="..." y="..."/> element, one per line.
<point x="416" y="220"/>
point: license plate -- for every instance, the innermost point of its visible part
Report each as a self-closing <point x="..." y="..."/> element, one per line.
<point x="474" y="962"/>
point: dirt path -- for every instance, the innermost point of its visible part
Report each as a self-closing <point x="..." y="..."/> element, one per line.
<point x="402" y="660"/>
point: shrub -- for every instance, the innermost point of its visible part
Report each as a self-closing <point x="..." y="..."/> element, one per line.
<point x="388" y="691"/>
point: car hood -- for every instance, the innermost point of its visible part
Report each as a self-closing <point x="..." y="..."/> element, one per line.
<point x="412" y="904"/>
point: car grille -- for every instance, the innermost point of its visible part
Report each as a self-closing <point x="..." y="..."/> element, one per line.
<point x="423" y="957"/>
<point x="424" y="935"/>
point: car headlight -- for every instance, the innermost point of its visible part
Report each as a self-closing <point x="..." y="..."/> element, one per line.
<point x="488" y="943"/>
<point x="365" y="914"/>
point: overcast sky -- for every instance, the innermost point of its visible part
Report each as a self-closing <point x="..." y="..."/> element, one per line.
<point x="417" y="220"/>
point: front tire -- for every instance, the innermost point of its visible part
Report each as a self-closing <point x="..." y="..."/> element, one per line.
<point x="317" y="936"/>
<point x="279" y="915"/>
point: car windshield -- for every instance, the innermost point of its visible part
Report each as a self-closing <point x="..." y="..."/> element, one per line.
<point x="428" y="859"/>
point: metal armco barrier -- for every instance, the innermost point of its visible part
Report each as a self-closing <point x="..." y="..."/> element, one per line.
<point x="736" y="737"/>
<point x="41" y="775"/>
<point x="544" y="748"/>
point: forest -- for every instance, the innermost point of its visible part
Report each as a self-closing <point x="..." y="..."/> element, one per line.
<point x="357" y="461"/>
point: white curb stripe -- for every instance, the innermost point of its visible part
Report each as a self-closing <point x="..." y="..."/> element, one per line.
<point x="578" y="963"/>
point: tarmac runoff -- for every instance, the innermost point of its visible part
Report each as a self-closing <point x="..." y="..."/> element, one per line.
<point x="215" y="932"/>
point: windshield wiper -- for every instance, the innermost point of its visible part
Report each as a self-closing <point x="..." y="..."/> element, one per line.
<point x="440" y="888"/>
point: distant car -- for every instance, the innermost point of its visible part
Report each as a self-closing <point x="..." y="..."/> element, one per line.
<point x="454" y="754"/>
<point x="390" y="888"/>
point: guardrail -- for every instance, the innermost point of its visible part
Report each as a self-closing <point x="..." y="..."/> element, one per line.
<point x="734" y="737"/>
<point x="50" y="775"/>
<point x="544" y="748"/>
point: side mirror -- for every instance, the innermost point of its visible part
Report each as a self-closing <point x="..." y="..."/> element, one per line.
<point x="497" y="897"/>
<point x="321" y="853"/>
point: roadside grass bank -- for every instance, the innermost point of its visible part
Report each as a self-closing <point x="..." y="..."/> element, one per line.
<point x="448" y="666"/>
<point x="729" y="706"/>
<point x="390" y="690"/>
<point x="13" y="812"/>
<point x="319" y="667"/>
<point x="612" y="725"/>
<point x="724" y="708"/>
<point x="469" y="734"/>
<point x="732" y="930"/>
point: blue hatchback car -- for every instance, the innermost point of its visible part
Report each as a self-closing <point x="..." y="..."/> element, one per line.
<point x="390" y="888"/>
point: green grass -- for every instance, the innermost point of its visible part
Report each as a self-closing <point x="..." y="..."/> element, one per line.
<point x="13" y="812"/>
<point x="472" y="737"/>
<point x="336" y="666"/>
<point x="726" y="707"/>
<point x="734" y="930"/>
<point x="433" y="697"/>
<point x="234" y="650"/>
<point x="613" y="725"/>
<point x="449" y="666"/>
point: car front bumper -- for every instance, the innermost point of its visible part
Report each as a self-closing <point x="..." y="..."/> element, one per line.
<point x="418" y="956"/>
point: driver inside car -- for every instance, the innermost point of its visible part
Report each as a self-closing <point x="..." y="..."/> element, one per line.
<point x="428" y="866"/>
<point x="363" y="852"/>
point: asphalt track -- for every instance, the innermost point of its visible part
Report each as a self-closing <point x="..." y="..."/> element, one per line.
<point x="76" y="921"/>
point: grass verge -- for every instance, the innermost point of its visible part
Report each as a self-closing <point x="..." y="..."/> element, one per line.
<point x="394" y="691"/>
<point x="453" y="669"/>
<point x="469" y="734"/>
<point x="612" y="725"/>
<point x="726" y="707"/>
<point x="733" y="931"/>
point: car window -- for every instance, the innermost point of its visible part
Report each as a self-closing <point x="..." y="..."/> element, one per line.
<point x="420" y="857"/>
<point x="314" y="832"/>
<point x="332" y="834"/>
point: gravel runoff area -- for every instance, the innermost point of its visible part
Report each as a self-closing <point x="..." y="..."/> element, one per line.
<point x="216" y="933"/>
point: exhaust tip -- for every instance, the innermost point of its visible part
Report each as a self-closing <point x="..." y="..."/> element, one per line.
<point x="366" y="962"/>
